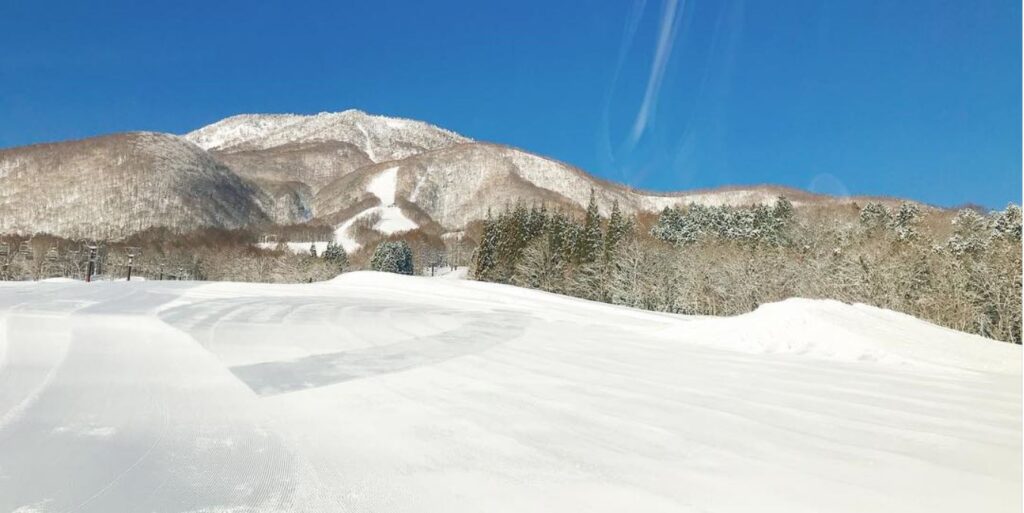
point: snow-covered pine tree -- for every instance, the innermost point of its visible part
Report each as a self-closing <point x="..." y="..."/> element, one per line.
<point x="511" y="240"/>
<point x="572" y="240"/>
<point x="535" y="220"/>
<point x="619" y="227"/>
<point x="904" y="223"/>
<point x="392" y="257"/>
<point x="764" y="228"/>
<point x="715" y="220"/>
<point x="592" y="237"/>
<point x="336" y="256"/>
<point x="555" y="229"/>
<point x="875" y="215"/>
<point x="972" y="233"/>
<point x="678" y="226"/>
<point x="484" y="258"/>
<point x="782" y="218"/>
<point x="666" y="226"/>
<point x="1007" y="223"/>
<point x="693" y="224"/>
<point x="783" y="209"/>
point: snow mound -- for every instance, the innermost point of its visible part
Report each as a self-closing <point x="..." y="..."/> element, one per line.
<point x="837" y="331"/>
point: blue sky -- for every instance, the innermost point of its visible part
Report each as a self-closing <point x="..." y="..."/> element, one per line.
<point x="913" y="98"/>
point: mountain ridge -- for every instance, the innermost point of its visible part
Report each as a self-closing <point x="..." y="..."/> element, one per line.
<point x="250" y="170"/>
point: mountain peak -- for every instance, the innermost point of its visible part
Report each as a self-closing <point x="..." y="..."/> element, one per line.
<point x="381" y="138"/>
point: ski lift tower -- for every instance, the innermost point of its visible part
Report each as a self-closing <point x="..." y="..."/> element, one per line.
<point x="132" y="252"/>
<point x="25" y="250"/>
<point x="26" y="255"/>
<point x="50" y="262"/>
<point x="5" y="256"/>
<point x="90" y="248"/>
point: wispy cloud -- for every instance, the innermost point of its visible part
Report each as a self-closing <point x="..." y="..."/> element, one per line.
<point x="632" y="24"/>
<point x="671" y="14"/>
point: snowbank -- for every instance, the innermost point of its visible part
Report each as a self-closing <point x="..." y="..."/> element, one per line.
<point x="837" y="331"/>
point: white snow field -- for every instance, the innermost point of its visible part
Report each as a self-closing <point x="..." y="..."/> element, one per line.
<point x="297" y="247"/>
<point x="387" y="393"/>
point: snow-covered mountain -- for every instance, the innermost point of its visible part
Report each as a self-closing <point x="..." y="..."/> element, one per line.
<point x="253" y="169"/>
<point x="380" y="138"/>
<point x="459" y="183"/>
<point x="116" y="185"/>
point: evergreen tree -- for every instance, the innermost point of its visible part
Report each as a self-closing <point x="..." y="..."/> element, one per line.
<point x="757" y="224"/>
<point x="312" y="250"/>
<point x="778" y="231"/>
<point x="534" y="225"/>
<point x="485" y="256"/>
<point x="905" y="221"/>
<point x="972" y="233"/>
<point x="783" y="210"/>
<point x="618" y="228"/>
<point x="336" y="256"/>
<point x="667" y="226"/>
<point x="572" y="241"/>
<point x="392" y="257"/>
<point x="1007" y="224"/>
<point x="511" y="240"/>
<point x="592" y="239"/>
<point x="694" y="223"/>
<point x="555" y="230"/>
<point x="875" y="215"/>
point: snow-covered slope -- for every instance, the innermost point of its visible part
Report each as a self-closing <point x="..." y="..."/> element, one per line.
<point x="391" y="219"/>
<point x="453" y="180"/>
<point x="276" y="149"/>
<point x="314" y="164"/>
<point x="380" y="138"/>
<point x="116" y="185"/>
<point x="240" y="129"/>
<point x="458" y="184"/>
<point x="386" y="393"/>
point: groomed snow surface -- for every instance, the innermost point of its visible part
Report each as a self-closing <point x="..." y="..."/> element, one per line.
<point x="386" y="393"/>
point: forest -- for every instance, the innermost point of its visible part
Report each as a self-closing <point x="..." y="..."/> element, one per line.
<point x="960" y="269"/>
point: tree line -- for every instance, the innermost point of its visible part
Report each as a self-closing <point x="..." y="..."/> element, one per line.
<point x="959" y="270"/>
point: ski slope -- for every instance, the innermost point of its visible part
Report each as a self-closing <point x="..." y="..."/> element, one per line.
<point x="392" y="219"/>
<point x="388" y="393"/>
